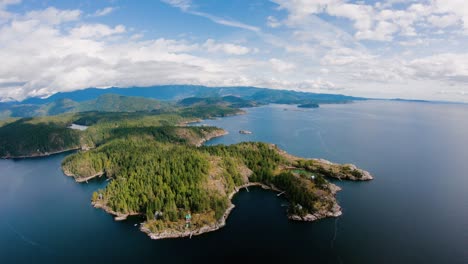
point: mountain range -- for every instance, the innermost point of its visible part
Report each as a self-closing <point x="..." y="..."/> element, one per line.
<point x="153" y="98"/>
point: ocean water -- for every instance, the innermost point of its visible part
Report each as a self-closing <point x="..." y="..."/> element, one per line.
<point x="415" y="211"/>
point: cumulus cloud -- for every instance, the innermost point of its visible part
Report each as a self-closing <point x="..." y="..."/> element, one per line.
<point x="53" y="16"/>
<point x="41" y="56"/>
<point x="51" y="50"/>
<point x="281" y="66"/>
<point x="381" y="22"/>
<point x="448" y="66"/>
<point x="96" y="31"/>
<point x="458" y="8"/>
<point x="443" y="21"/>
<point x="212" y="46"/>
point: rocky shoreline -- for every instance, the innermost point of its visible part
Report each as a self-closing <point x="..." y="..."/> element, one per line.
<point x="365" y="175"/>
<point x="40" y="155"/>
<point x="117" y="216"/>
<point x="334" y="212"/>
<point x="86" y="179"/>
<point x="206" y="228"/>
<point x="214" y="134"/>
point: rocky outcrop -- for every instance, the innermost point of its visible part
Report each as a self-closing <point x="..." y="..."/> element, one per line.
<point x="117" y="216"/>
<point x="189" y="232"/>
<point x="82" y="179"/>
<point x="338" y="171"/>
<point x="210" y="135"/>
<point x="334" y="212"/>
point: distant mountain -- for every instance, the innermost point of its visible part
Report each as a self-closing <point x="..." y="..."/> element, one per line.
<point x="179" y="92"/>
<point x="59" y="107"/>
<point x="119" y="103"/>
<point x="143" y="99"/>
<point x="294" y="97"/>
<point x="103" y="103"/>
<point x="167" y="93"/>
<point x="230" y="100"/>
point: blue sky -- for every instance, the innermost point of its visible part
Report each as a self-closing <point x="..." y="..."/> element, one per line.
<point x="385" y="49"/>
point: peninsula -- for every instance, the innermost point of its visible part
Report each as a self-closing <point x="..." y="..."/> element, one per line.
<point x="165" y="181"/>
<point x="158" y="168"/>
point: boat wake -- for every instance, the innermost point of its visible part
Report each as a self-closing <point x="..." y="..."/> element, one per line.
<point x="332" y="244"/>
<point x="21" y="236"/>
<point x="26" y="239"/>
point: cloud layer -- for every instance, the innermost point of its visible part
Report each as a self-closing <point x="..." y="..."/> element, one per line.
<point x="412" y="49"/>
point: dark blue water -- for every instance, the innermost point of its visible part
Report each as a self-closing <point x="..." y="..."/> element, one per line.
<point x="415" y="211"/>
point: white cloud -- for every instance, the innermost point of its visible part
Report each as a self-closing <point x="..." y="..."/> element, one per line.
<point x="448" y="66"/>
<point x="52" y="50"/>
<point x="182" y="4"/>
<point x="212" y="46"/>
<point x="96" y="31"/>
<point x="185" y="6"/>
<point x="104" y="12"/>
<point x="42" y="58"/>
<point x="53" y="16"/>
<point x="281" y="66"/>
<point x="136" y="36"/>
<point x="381" y="22"/>
<point x="443" y="21"/>
<point x="458" y="8"/>
<point x="273" y="22"/>
<point x="383" y="31"/>
<point x="4" y="3"/>
<point x="225" y="22"/>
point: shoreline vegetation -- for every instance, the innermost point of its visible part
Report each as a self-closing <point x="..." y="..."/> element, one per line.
<point x="158" y="167"/>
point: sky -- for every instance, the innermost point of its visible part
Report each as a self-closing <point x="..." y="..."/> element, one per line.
<point x="414" y="49"/>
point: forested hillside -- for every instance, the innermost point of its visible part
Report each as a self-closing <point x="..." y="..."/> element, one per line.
<point x="45" y="135"/>
<point x="103" y="103"/>
<point x="27" y="137"/>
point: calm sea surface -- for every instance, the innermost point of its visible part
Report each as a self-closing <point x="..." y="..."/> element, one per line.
<point x="415" y="211"/>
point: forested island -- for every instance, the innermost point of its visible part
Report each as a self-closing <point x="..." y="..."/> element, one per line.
<point x="157" y="167"/>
